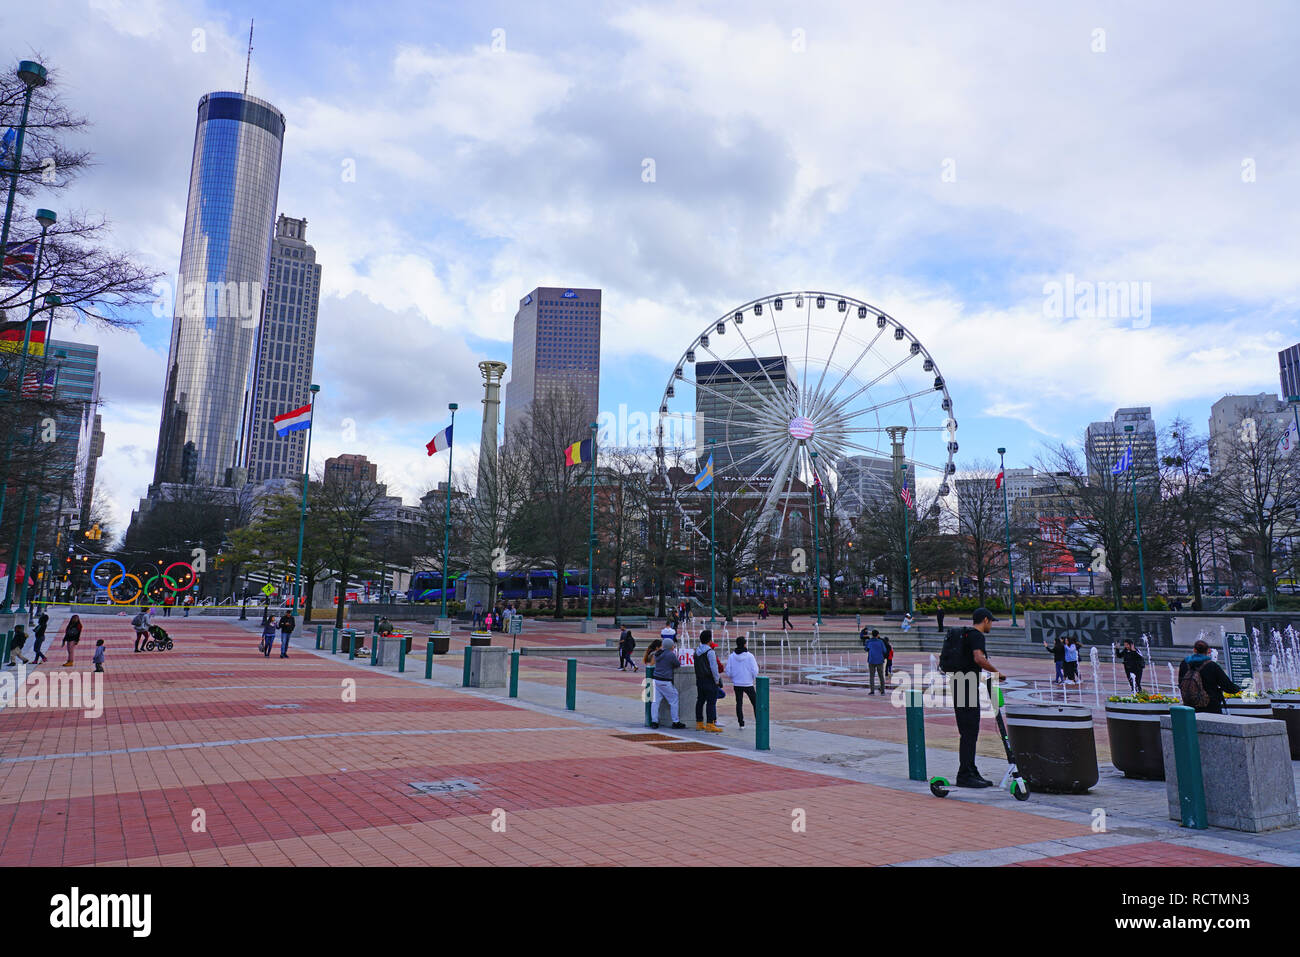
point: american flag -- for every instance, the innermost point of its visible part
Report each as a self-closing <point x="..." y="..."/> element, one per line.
<point x="906" y="495"/>
<point x="20" y="261"/>
<point x="38" y="384"/>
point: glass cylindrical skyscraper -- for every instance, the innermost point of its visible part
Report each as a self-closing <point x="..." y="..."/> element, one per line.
<point x="225" y="252"/>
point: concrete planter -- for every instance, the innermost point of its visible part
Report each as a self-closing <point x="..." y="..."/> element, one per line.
<point x="480" y="639"/>
<point x="441" y="641"/>
<point x="1286" y="708"/>
<point x="1249" y="707"/>
<point x="1055" y="747"/>
<point x="1134" y="731"/>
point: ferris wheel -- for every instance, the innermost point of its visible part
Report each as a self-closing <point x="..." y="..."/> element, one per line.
<point x="798" y="392"/>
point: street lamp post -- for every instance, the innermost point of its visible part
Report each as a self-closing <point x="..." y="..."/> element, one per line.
<point x="907" y="545"/>
<point x="1006" y="517"/>
<point x="33" y="75"/>
<point x="1137" y="520"/>
<point x="302" y="515"/>
<point x="446" y="518"/>
<point x="817" y="552"/>
<point x="713" y="549"/>
<point x="591" y="526"/>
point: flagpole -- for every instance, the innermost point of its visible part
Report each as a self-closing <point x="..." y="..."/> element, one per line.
<point x="446" y="519"/>
<point x="1006" y="515"/>
<point x="591" y="527"/>
<point x="1137" y="521"/>
<point x="302" y="515"/>
<point x="713" y="544"/>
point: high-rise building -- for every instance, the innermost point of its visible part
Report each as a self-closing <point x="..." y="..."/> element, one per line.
<point x="727" y="409"/>
<point x="225" y="249"/>
<point x="1288" y="361"/>
<point x="349" y="468"/>
<point x="1106" y="441"/>
<point x="79" y="441"/>
<point x="286" y="344"/>
<point x="556" y="347"/>
<point x="862" y="481"/>
<point x="1228" y="418"/>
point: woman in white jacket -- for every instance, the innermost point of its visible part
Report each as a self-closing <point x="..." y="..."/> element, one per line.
<point x="742" y="669"/>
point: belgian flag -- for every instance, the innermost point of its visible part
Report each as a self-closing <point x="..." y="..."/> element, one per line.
<point x="580" y="452"/>
<point x="12" y="334"/>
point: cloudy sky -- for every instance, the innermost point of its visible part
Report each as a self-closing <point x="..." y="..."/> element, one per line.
<point x="943" y="161"/>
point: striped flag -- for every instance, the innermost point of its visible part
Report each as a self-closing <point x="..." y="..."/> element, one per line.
<point x="293" y="421"/>
<point x="12" y="333"/>
<point x="906" y="495"/>
<point x="20" y="261"/>
<point x="997" y="484"/>
<point x="440" y="441"/>
<point x="1125" y="461"/>
<point x="579" y="452"/>
<point x="35" y="384"/>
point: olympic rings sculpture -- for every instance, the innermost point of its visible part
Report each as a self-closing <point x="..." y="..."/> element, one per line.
<point x="141" y="588"/>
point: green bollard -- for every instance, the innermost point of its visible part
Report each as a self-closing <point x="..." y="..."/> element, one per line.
<point x="351" y="637"/>
<point x="401" y="654"/>
<point x="320" y="630"/>
<point x="334" y="641"/>
<point x="375" y="624"/>
<point x="374" y="648"/>
<point x="648" y="695"/>
<point x="428" y="660"/>
<point x="915" y="735"/>
<point x="514" y="674"/>
<point x="1187" y="759"/>
<point x="762" y="741"/>
<point x="571" y="685"/>
<point x="464" y="681"/>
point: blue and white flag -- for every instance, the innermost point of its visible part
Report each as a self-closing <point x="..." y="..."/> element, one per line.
<point x="705" y="478"/>
<point x="1124" y="463"/>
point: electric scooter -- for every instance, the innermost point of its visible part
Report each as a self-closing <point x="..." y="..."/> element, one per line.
<point x="1012" y="780"/>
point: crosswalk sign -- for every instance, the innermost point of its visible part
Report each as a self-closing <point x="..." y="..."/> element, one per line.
<point x="268" y="590"/>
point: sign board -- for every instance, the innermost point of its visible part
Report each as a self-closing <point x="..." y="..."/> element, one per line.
<point x="268" y="589"/>
<point x="1236" y="647"/>
<point x="516" y="624"/>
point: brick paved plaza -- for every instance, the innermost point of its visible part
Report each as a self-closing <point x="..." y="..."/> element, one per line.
<point x="282" y="764"/>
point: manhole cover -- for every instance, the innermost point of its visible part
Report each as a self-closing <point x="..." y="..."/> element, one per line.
<point x="280" y="707"/>
<point x="687" y="746"/>
<point x="643" y="737"/>
<point x="449" y="786"/>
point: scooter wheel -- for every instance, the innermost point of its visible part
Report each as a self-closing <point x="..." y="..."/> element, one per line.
<point x="939" y="787"/>
<point x="1019" y="789"/>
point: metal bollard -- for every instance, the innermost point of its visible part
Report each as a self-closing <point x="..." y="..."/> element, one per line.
<point x="401" y="654"/>
<point x="648" y="695"/>
<point x="334" y="641"/>
<point x="464" y="681"/>
<point x="571" y="685"/>
<point x="428" y="659"/>
<point x="1187" y="759"/>
<point x="374" y="647"/>
<point x="915" y="735"/>
<point x="762" y="741"/>
<point x="320" y="630"/>
<point x="514" y="674"/>
<point x="375" y="624"/>
<point x="351" y="637"/>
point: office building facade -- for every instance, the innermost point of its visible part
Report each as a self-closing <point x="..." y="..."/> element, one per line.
<point x="727" y="409"/>
<point x="79" y="440"/>
<point x="556" y="349"/>
<point x="225" y="250"/>
<point x="864" y="481"/>
<point x="347" y="469"/>
<point x="286" y="344"/>
<point x="1229" y="418"/>
<point x="1288" y="361"/>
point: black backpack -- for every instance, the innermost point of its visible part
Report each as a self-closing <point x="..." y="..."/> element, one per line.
<point x="703" y="673"/>
<point x="952" y="656"/>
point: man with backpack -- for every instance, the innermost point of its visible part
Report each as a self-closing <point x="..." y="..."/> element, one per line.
<point x="708" y="684"/>
<point x="1202" y="683"/>
<point x="962" y="657"/>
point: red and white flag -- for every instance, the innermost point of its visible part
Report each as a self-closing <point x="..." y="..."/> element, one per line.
<point x="998" y="484"/>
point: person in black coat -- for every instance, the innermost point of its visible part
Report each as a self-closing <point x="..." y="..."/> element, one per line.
<point x="626" y="645"/>
<point x="1133" y="663"/>
<point x="1213" y="678"/>
<point x="938" y="615"/>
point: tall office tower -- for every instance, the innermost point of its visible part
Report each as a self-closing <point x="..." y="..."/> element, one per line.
<point x="727" y="409"/>
<point x="1288" y="361"/>
<point x="76" y="444"/>
<point x="1105" y="442"/>
<point x="1228" y="419"/>
<point x="862" y="481"/>
<point x="286" y="344"/>
<point x="234" y="184"/>
<point x="556" y="347"/>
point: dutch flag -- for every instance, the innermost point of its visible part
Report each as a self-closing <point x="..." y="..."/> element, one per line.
<point x="293" y="421"/>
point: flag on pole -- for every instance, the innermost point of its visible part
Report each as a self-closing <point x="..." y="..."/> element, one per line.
<point x="998" y="483"/>
<point x="705" y="478"/>
<point x="293" y="421"/>
<point x="906" y="494"/>
<point x="1288" y="441"/>
<point x="11" y="337"/>
<point x="817" y="486"/>
<point x="579" y="452"/>
<point x="20" y="261"/>
<point x="1125" y="461"/>
<point x="35" y="384"/>
<point x="7" y="147"/>
<point x="440" y="441"/>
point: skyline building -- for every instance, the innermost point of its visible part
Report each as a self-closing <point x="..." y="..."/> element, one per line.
<point x="285" y="348"/>
<point x="348" y="468"/>
<point x="863" y="480"/>
<point x="1288" y="361"/>
<point x="727" y="410"/>
<point x="556" y="347"/>
<point x="79" y="440"/>
<point x="1105" y="442"/>
<point x="218" y="298"/>
<point x="1228" y="419"/>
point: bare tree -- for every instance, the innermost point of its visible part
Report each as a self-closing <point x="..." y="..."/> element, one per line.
<point x="346" y="508"/>
<point x="981" y="523"/>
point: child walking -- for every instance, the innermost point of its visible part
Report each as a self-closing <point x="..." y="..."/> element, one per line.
<point x="98" y="658"/>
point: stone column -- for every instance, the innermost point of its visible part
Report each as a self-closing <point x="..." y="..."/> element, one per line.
<point x="480" y="580"/>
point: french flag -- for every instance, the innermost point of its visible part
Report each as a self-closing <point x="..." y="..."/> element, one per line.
<point x="440" y="441"/>
<point x="293" y="421"/>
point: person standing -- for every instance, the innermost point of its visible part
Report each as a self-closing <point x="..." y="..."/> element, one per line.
<point x="71" y="636"/>
<point x="665" y="664"/>
<point x="626" y="645"/>
<point x="41" y="624"/>
<point x="742" y="667"/>
<point x="1071" y="662"/>
<point x="141" y="625"/>
<point x="875" y="662"/>
<point x="786" y="624"/>
<point x="965" y="693"/>
<point x="708" y="684"/>
<point x="1058" y="656"/>
<point x="268" y="637"/>
<point x="1134" y="664"/>
<point x="889" y="657"/>
<point x="168" y="601"/>
<point x="286" y="629"/>
<point x="99" y="656"/>
<point x="938" y="615"/>
<point x="762" y="610"/>
<point x="1202" y="683"/>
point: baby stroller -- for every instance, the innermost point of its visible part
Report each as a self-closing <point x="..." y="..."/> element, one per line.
<point x="159" y="640"/>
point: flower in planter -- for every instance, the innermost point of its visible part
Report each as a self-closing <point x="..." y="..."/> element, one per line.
<point x="1144" y="698"/>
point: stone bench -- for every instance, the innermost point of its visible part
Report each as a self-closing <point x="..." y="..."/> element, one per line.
<point x="1246" y="767"/>
<point x="633" y="621"/>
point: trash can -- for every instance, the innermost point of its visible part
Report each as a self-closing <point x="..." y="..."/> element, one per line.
<point x="1134" y="731"/>
<point x="480" y="639"/>
<point x="441" y="641"/>
<point x="1286" y="708"/>
<point x="1054" y="746"/>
